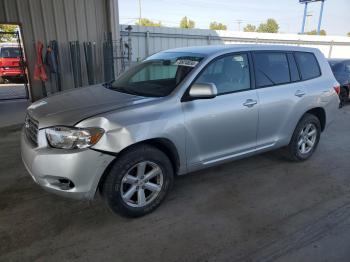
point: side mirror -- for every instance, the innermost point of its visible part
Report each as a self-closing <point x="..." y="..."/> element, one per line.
<point x="203" y="91"/>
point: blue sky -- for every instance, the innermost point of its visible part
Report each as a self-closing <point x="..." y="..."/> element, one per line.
<point x="287" y="12"/>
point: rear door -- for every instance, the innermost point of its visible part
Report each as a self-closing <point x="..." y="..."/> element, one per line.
<point x="276" y="75"/>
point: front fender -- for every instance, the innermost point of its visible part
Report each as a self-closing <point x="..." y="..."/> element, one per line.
<point x="123" y="130"/>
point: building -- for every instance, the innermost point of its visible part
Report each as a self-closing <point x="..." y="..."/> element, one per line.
<point x="63" y="21"/>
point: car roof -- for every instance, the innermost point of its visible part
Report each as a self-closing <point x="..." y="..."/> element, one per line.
<point x="213" y="49"/>
<point x="338" y="60"/>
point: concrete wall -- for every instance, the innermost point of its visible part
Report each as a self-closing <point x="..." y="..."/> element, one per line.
<point x="61" y="20"/>
<point x="149" y="40"/>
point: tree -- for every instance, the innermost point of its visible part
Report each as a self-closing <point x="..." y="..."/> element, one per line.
<point x="8" y="29"/>
<point x="349" y="34"/>
<point x="186" y="23"/>
<point x="249" y="28"/>
<point x="271" y="26"/>
<point x="217" y="26"/>
<point x="147" y="22"/>
<point x="314" y="32"/>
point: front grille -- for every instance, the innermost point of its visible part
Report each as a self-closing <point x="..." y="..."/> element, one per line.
<point x="31" y="129"/>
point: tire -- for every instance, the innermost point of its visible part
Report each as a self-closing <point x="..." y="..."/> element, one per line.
<point x="343" y="96"/>
<point x="132" y="162"/>
<point x="294" y="151"/>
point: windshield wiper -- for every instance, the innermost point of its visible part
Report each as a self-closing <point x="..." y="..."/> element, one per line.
<point x="123" y="90"/>
<point x="108" y="84"/>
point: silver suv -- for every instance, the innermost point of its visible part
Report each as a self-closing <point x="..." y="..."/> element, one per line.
<point x="178" y="111"/>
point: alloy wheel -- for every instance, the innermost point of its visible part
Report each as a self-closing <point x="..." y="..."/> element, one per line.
<point x="141" y="184"/>
<point x="307" y="138"/>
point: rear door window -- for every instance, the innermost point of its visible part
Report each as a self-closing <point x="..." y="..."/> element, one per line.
<point x="271" y="68"/>
<point x="308" y="65"/>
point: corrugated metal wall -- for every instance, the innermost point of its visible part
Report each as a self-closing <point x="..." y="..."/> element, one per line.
<point x="61" y="20"/>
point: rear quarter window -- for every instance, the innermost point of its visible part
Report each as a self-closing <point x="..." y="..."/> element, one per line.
<point x="308" y="65"/>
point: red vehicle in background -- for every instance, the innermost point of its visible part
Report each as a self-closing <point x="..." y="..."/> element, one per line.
<point x="11" y="68"/>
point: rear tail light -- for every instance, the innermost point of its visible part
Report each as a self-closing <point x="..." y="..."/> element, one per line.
<point x="337" y="89"/>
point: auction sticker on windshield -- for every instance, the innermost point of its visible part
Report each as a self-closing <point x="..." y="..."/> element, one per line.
<point x="186" y="62"/>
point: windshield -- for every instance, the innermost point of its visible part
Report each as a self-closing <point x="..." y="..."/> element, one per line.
<point x="158" y="75"/>
<point x="10" y="52"/>
<point x="336" y="66"/>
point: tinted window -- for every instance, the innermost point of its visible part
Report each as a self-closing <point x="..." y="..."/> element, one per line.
<point x="336" y="66"/>
<point x="294" y="73"/>
<point x="308" y="65"/>
<point x="347" y="67"/>
<point x="271" y="69"/>
<point x="229" y="74"/>
<point x="10" y="52"/>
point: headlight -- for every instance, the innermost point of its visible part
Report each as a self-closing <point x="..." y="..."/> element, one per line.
<point x="73" y="138"/>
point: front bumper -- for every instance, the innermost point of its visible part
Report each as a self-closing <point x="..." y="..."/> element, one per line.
<point x="48" y="166"/>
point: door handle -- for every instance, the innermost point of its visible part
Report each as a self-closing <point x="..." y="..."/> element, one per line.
<point x="250" y="103"/>
<point x="300" y="93"/>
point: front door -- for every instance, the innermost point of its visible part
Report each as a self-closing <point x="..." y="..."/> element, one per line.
<point x="225" y="126"/>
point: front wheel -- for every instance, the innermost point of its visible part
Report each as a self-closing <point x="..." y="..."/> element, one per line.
<point x="305" y="138"/>
<point x="138" y="181"/>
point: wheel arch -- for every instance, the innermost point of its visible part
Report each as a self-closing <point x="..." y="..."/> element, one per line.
<point x="168" y="147"/>
<point x="320" y="113"/>
<point x="163" y="144"/>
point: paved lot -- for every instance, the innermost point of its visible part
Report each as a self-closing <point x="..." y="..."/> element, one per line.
<point x="12" y="91"/>
<point x="13" y="112"/>
<point x="258" y="209"/>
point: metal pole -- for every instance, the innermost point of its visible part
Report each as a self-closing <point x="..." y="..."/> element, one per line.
<point x="140" y="13"/>
<point x="308" y="16"/>
<point x="320" y="19"/>
<point x="209" y="39"/>
<point x="330" y="49"/>
<point x="304" y="18"/>
<point x="239" y="25"/>
<point x="147" y="44"/>
<point x="129" y="47"/>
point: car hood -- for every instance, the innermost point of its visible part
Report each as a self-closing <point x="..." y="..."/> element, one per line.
<point x="70" y="107"/>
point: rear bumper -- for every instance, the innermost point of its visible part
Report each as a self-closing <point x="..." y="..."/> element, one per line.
<point x="11" y="72"/>
<point x="49" y="166"/>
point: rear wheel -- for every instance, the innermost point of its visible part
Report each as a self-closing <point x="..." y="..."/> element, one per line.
<point x="138" y="181"/>
<point x="305" y="138"/>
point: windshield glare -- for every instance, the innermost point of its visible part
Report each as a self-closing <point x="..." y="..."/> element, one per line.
<point x="158" y="75"/>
